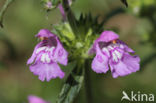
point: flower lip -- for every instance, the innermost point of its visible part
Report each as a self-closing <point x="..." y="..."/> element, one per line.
<point x="108" y="36"/>
<point x="44" y="33"/>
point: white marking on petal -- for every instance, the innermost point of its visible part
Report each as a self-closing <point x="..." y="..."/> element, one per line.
<point x="40" y="49"/>
<point x="47" y="49"/>
<point x="110" y="47"/>
<point x="114" y="57"/>
<point x="43" y="57"/>
<point x="118" y="54"/>
<point x="51" y="49"/>
<point x="47" y="58"/>
<point x="121" y="46"/>
<point x="105" y="50"/>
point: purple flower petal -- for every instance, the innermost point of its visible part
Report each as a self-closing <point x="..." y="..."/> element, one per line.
<point x="46" y="55"/>
<point x="126" y="66"/>
<point x="61" y="55"/>
<point x="107" y="36"/>
<point x="44" y="33"/>
<point x="32" y="58"/>
<point x="132" y="62"/>
<point x="100" y="62"/>
<point x="92" y="50"/>
<point x="46" y="71"/>
<point x="125" y="47"/>
<point x="115" y="53"/>
<point x="35" y="99"/>
<point x="119" y="69"/>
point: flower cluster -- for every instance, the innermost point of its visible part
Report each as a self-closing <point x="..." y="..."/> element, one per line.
<point x="110" y="53"/>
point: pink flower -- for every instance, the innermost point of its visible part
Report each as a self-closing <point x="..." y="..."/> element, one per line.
<point x="46" y="55"/>
<point x="35" y="99"/>
<point x="112" y="52"/>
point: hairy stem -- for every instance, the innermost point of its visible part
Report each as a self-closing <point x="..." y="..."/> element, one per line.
<point x="70" y="16"/>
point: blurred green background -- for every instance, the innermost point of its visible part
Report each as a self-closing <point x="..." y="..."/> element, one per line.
<point x="136" y="26"/>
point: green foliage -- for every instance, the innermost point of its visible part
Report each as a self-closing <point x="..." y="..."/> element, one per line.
<point x="76" y="46"/>
<point x="66" y="31"/>
<point x="87" y="21"/>
<point x="72" y="85"/>
<point x="85" y="26"/>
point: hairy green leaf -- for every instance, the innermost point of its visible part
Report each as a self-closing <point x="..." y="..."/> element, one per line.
<point x="72" y="86"/>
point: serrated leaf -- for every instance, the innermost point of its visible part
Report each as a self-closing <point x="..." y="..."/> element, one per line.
<point x="125" y="2"/>
<point x="72" y="86"/>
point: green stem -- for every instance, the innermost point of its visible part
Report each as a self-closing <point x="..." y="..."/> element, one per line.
<point x="72" y="85"/>
<point x="88" y="83"/>
<point x="2" y="11"/>
<point x="70" y="17"/>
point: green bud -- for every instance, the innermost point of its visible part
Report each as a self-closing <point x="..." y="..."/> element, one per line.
<point x="79" y="45"/>
<point x="66" y="31"/>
